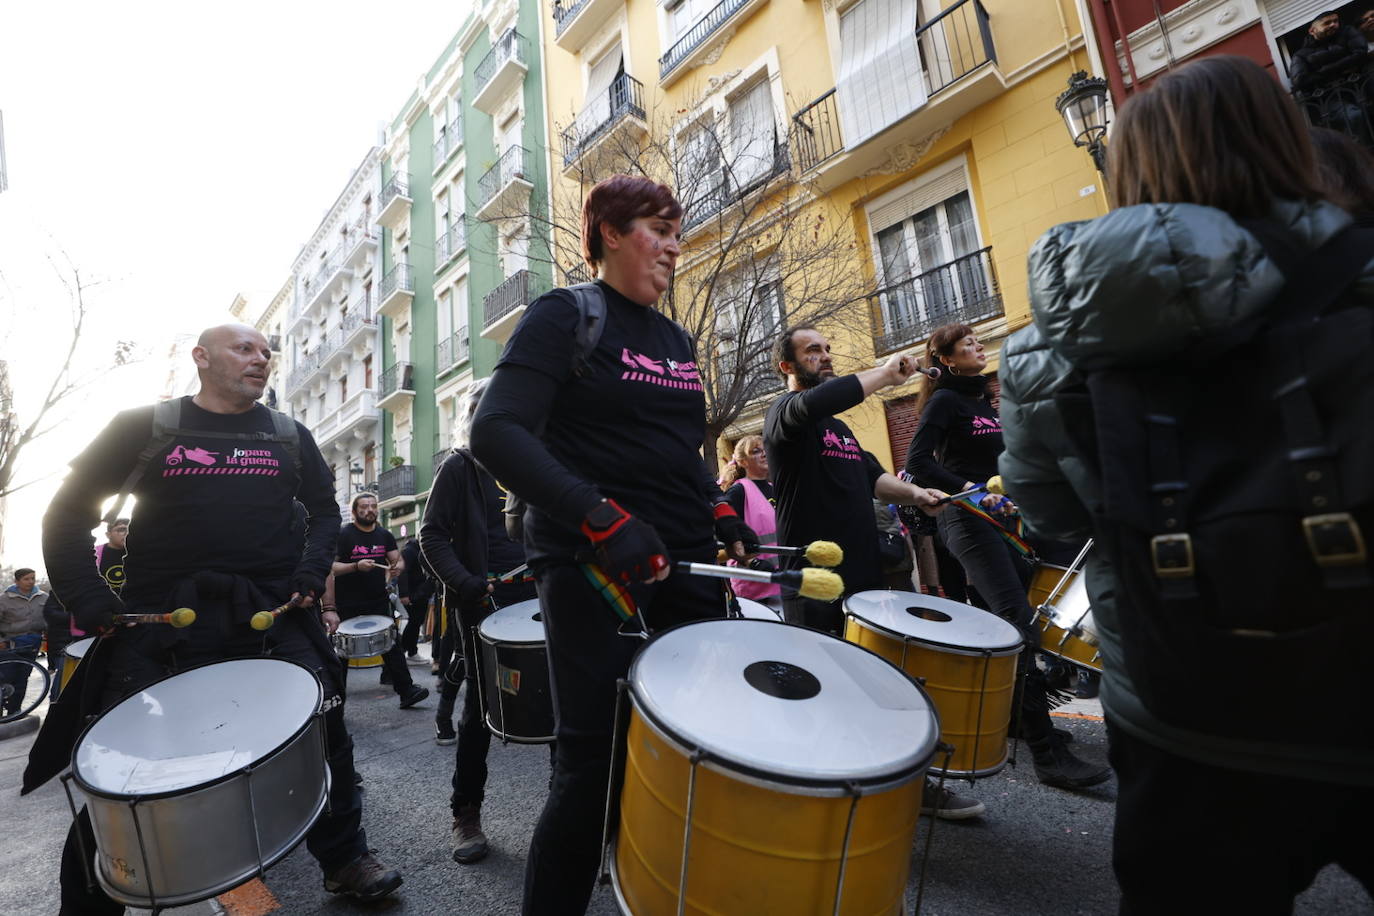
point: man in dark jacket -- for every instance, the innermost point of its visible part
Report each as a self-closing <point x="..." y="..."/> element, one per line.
<point x="1329" y="51"/>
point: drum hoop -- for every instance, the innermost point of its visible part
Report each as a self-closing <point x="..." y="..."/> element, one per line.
<point x="519" y="644"/>
<point x="953" y="649"/>
<point x="791" y="785"/>
<point x="233" y="774"/>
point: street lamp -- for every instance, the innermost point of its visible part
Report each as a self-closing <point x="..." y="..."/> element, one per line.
<point x="1084" y="108"/>
<point x="355" y="477"/>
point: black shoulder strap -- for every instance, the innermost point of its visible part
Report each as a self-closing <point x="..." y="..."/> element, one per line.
<point x="591" y="321"/>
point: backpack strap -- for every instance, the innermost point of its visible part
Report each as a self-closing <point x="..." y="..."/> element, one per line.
<point x="591" y="321"/>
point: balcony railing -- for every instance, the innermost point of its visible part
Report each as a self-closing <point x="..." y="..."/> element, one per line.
<point x="360" y="315"/>
<point x="451" y="243"/>
<point x="396" y="483"/>
<point x="564" y="13"/>
<point x="448" y="141"/>
<point x="510" y="46"/>
<point x="951" y="46"/>
<point x="625" y="96"/>
<point x="578" y="273"/>
<point x="508" y="168"/>
<point x="451" y="351"/>
<point x="439" y="457"/>
<point x="397" y="378"/>
<point x="698" y="34"/>
<point x="515" y="291"/>
<point x="398" y="278"/>
<point x="398" y="185"/>
<point x="964" y="291"/>
<point x="711" y="198"/>
<point x="1342" y="105"/>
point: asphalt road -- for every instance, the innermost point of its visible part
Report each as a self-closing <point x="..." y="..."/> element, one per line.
<point x="1037" y="850"/>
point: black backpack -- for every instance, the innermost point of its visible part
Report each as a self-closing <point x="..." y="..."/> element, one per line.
<point x="1237" y="493"/>
<point x="591" y="321"/>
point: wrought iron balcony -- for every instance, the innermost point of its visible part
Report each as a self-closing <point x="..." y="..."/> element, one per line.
<point x="951" y="46"/>
<point x="565" y="13"/>
<point x="623" y="98"/>
<point x="397" y="289"/>
<point x="439" y="458"/>
<point x="397" y="379"/>
<point x="396" y="483"/>
<point x="965" y="291"/>
<point x="394" y="200"/>
<point x="1342" y="105"/>
<point x="447" y="142"/>
<point x="697" y="34"/>
<point x="500" y="186"/>
<point x="451" y="351"/>
<point x="710" y="199"/>
<point x="516" y="291"/>
<point x="451" y="243"/>
<point x="503" y="67"/>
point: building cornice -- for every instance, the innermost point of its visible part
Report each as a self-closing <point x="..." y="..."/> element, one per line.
<point x="357" y="183"/>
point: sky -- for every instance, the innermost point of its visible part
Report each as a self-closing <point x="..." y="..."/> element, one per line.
<point x="173" y="155"/>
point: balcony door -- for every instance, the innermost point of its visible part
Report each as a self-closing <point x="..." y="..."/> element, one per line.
<point x="753" y="133"/>
<point x="602" y="84"/>
<point x="930" y="269"/>
<point x="879" y="80"/>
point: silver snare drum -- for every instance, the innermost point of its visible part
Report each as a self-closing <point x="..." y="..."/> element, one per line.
<point x="201" y="780"/>
<point x="361" y="637"/>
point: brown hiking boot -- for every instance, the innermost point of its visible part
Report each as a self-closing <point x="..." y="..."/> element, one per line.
<point x="469" y="842"/>
<point x="365" y="878"/>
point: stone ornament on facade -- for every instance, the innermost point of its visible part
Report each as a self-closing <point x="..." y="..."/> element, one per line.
<point x="903" y="156"/>
<point x="1193" y="25"/>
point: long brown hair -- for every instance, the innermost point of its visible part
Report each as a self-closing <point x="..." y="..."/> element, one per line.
<point x="942" y="342"/>
<point x="734" y="471"/>
<point x="1219" y="132"/>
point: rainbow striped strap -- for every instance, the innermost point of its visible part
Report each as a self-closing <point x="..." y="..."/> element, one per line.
<point x="616" y="595"/>
<point x="1013" y="535"/>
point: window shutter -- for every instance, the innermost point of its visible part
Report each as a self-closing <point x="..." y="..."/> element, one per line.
<point x="751" y="133"/>
<point x="926" y="194"/>
<point x="880" y="68"/>
<point x="1287" y="15"/>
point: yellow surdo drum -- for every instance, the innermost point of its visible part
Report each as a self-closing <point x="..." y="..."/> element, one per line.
<point x="768" y="769"/>
<point x="1064" y="614"/>
<point x="71" y="657"/>
<point x="966" y="659"/>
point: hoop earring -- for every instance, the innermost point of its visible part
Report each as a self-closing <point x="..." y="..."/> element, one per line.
<point x="953" y="370"/>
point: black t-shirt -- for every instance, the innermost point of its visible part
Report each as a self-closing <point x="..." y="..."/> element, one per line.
<point x="958" y="440"/>
<point x="823" y="479"/>
<point x="203" y="504"/>
<point x="112" y="567"/>
<point x="503" y="554"/>
<point x="631" y="427"/>
<point x="360" y="592"/>
<point x="735" y="495"/>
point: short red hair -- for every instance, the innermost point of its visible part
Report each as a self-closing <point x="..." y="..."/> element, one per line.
<point x="617" y="201"/>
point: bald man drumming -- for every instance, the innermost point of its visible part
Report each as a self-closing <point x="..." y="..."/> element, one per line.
<point x="216" y="477"/>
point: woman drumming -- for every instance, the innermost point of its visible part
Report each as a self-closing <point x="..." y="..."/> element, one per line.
<point x="607" y="455"/>
<point x="955" y="449"/>
<point x="750" y="493"/>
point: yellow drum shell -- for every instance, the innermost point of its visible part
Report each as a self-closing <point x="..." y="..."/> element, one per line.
<point x="1044" y="580"/>
<point x="754" y="849"/>
<point x="71" y="657"/>
<point x="1055" y="639"/>
<point x="371" y="661"/>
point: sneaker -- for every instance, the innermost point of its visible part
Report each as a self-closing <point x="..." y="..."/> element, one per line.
<point x="434" y="668"/>
<point x="1089" y="686"/>
<point x="444" y="734"/>
<point x="365" y="878"/>
<point x="357" y="779"/>
<point x="1055" y="765"/>
<point x="469" y="842"/>
<point x="416" y="660"/>
<point x="415" y="694"/>
<point x="947" y="806"/>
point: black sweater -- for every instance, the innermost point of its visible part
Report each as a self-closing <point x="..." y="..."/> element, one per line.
<point x="957" y="441"/>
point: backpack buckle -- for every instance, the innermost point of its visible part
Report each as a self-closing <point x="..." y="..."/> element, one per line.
<point x="1172" y="555"/>
<point x="1334" y="539"/>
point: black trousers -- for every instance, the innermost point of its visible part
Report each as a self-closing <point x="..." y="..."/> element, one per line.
<point x="137" y="660"/>
<point x="588" y="653"/>
<point x="474" y="740"/>
<point x="1192" y="838"/>
<point x="393" y="659"/>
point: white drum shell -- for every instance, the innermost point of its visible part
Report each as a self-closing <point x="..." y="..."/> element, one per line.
<point x="1072" y="611"/>
<point x="172" y="849"/>
<point x="364" y="637"/>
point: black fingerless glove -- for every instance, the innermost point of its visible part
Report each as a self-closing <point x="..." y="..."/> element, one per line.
<point x="95" y="614"/>
<point x="731" y="528"/>
<point x="305" y="584"/>
<point x="472" y="590"/>
<point x="627" y="549"/>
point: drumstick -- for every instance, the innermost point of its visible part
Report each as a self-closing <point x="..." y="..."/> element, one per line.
<point x="993" y="486"/>
<point x="263" y="620"/>
<point x="817" y="553"/>
<point x="181" y="617"/>
<point x="821" y="584"/>
<point x="510" y="574"/>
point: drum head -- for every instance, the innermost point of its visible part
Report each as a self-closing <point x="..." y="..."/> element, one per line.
<point x="196" y="727"/>
<point x="785" y="703"/>
<point x="517" y="623"/>
<point x="755" y="610"/>
<point x="937" y="621"/>
<point x="365" y="625"/>
<point x="1071" y="605"/>
<point x="79" y="648"/>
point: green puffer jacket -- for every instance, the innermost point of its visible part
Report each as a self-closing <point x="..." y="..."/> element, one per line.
<point x="1117" y="292"/>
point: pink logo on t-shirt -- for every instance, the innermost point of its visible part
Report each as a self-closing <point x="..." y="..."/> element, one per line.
<point x="833" y="445"/>
<point x="675" y="375"/>
<point x="984" y="426"/>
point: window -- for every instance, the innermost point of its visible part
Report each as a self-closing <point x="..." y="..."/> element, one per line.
<point x="753" y="133"/>
<point x="445" y="316"/>
<point x="460" y="311"/>
<point x="749" y="318"/>
<point x="602" y="84"/>
<point x="880" y="79"/>
<point x="343" y="391"/>
<point x="686" y="14"/>
<point x="369" y="464"/>
<point x="700" y="175"/>
<point x="367" y="371"/>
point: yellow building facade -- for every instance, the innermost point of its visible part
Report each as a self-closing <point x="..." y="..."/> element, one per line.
<point x="876" y="167"/>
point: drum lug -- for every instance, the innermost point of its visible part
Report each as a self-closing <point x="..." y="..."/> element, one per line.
<point x="854" y="795"/>
<point x="617" y="775"/>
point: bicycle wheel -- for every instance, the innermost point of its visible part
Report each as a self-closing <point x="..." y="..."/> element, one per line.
<point x="23" y="685"/>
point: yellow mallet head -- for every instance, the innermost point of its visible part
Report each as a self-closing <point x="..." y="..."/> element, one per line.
<point x="183" y="617"/>
<point x="820" y="584"/>
<point x="263" y="620"/>
<point x="995" y="485"/>
<point x="824" y="553"/>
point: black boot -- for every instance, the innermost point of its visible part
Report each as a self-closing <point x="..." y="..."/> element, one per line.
<point x="1055" y="765"/>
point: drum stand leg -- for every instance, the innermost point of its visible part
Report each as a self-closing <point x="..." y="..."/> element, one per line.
<point x="930" y="832"/>
<point x="982" y="697"/>
<point x="253" y="817"/>
<point x="687" y="833"/>
<point x="143" y="853"/>
<point x="617" y="775"/>
<point x="80" y="839"/>
<point x="844" y="850"/>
